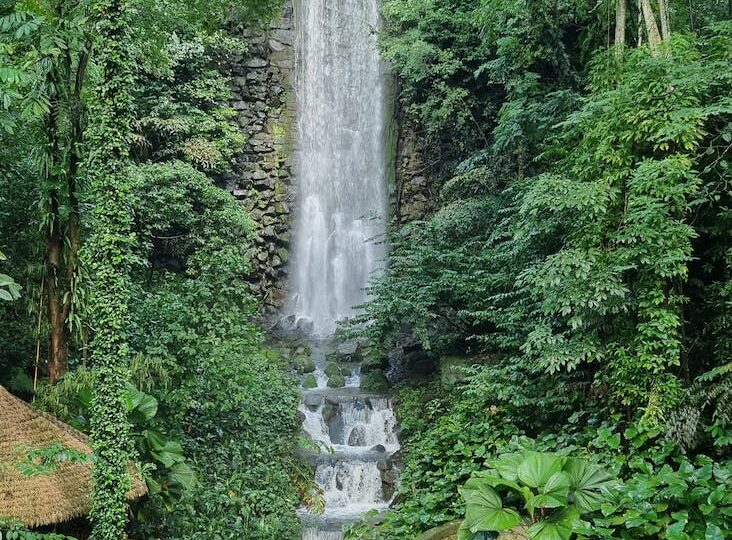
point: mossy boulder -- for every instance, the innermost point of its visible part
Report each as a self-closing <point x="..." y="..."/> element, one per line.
<point x="336" y="381"/>
<point x="375" y="381"/>
<point x="443" y="532"/>
<point x="347" y="351"/>
<point x="449" y="531"/>
<point x="310" y="381"/>
<point x="374" y="363"/>
<point x="332" y="369"/>
<point x="304" y="364"/>
<point x="454" y="369"/>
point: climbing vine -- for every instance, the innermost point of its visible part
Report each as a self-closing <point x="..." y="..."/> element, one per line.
<point x="108" y="258"/>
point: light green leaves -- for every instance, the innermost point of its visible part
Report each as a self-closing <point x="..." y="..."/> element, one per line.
<point x="9" y="289"/>
<point x="587" y="484"/>
<point x="556" y="491"/>
<point x="537" y="468"/>
<point x="557" y="527"/>
<point x="485" y="511"/>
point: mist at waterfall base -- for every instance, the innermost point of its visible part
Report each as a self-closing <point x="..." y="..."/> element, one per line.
<point x="340" y="162"/>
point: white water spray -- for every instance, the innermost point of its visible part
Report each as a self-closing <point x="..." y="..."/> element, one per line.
<point x="340" y="160"/>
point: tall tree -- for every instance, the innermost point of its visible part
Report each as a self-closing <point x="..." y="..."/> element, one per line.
<point x="654" y="36"/>
<point x="621" y="7"/>
<point x="47" y="57"/>
<point x="109" y="259"/>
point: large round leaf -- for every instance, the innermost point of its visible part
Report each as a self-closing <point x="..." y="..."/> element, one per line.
<point x="587" y="483"/>
<point x="484" y="508"/>
<point x="555" y="527"/>
<point x="537" y="468"/>
<point x="554" y="494"/>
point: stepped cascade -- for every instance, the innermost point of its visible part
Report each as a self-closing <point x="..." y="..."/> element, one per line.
<point x="355" y="432"/>
<point x="339" y="224"/>
<point x="340" y="161"/>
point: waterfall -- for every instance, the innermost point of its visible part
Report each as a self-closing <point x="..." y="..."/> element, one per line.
<point x="340" y="161"/>
<point x="357" y="436"/>
<point x="340" y="220"/>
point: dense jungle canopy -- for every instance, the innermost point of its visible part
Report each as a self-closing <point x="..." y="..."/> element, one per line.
<point x="555" y="329"/>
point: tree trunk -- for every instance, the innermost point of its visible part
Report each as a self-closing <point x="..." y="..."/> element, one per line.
<point x="654" y="36"/>
<point x="58" y="347"/>
<point x="665" y="20"/>
<point x="620" y="14"/>
<point x="640" y="24"/>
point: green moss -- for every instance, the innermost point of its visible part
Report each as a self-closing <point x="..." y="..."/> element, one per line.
<point x="374" y="363"/>
<point x="304" y="364"/>
<point x="310" y="381"/>
<point x="336" y="381"/>
<point x="375" y="381"/>
<point x="332" y="369"/>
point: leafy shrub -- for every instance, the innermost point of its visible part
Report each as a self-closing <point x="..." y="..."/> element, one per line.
<point x="683" y="499"/>
<point x="554" y="490"/>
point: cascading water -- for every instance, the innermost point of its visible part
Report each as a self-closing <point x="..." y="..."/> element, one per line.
<point x="357" y="439"/>
<point x="340" y="161"/>
<point x="340" y="217"/>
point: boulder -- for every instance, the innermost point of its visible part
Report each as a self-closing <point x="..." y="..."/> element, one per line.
<point x="453" y="369"/>
<point x="375" y="381"/>
<point x="329" y="412"/>
<point x="304" y="364"/>
<point x="374" y="363"/>
<point x="310" y="381"/>
<point x="336" y="381"/>
<point x="312" y="400"/>
<point x="332" y="369"/>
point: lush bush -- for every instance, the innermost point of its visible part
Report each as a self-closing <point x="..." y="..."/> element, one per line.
<point x="541" y="491"/>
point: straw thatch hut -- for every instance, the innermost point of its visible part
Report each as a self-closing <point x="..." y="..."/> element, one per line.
<point x="57" y="496"/>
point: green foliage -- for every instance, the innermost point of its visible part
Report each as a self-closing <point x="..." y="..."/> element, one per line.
<point x="9" y="289"/>
<point x="16" y="531"/>
<point x="554" y="489"/>
<point x="181" y="109"/>
<point x="224" y="396"/>
<point x="43" y="460"/>
<point x="108" y="259"/>
<point x="684" y="499"/>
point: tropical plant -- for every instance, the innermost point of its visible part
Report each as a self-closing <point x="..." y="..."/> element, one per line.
<point x="9" y="289"/>
<point x="544" y="492"/>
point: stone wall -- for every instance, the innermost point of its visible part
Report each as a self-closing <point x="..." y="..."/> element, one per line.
<point x="414" y="199"/>
<point x="262" y="179"/>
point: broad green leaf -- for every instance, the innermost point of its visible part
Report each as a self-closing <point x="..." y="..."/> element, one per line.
<point x="556" y="527"/>
<point x="536" y="469"/>
<point x="587" y="483"/>
<point x="547" y="530"/>
<point x="494" y="481"/>
<point x="484" y="508"/>
<point x="507" y="466"/>
<point x="713" y="532"/>
<point x="183" y="475"/>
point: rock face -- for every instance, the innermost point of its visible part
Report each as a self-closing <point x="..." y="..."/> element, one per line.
<point x="263" y="96"/>
<point x="414" y="198"/>
<point x="263" y="99"/>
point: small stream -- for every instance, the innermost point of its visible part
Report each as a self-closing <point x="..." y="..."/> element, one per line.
<point x="356" y="432"/>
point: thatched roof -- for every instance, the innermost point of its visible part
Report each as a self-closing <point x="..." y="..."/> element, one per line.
<point x="43" y="499"/>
